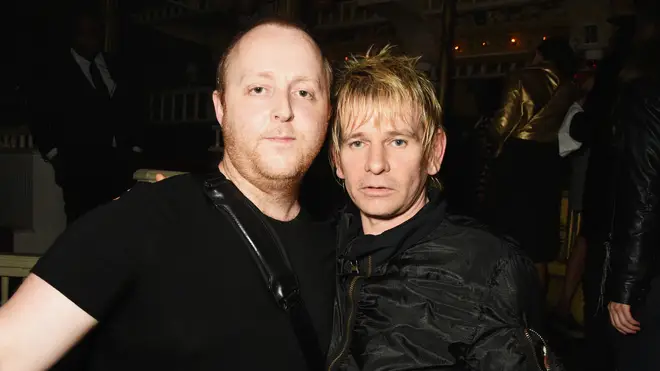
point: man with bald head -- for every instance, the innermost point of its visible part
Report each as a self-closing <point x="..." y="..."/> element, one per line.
<point x="166" y="281"/>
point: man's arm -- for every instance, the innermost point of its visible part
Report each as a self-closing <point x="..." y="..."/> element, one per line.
<point x="635" y="233"/>
<point x="79" y="280"/>
<point x="38" y="325"/>
<point x="508" y="117"/>
<point x="130" y="111"/>
<point x="44" y="113"/>
<point x="515" y="299"/>
<point x="47" y="112"/>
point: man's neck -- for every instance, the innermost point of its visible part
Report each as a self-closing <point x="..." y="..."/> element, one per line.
<point x="376" y="226"/>
<point x="279" y="203"/>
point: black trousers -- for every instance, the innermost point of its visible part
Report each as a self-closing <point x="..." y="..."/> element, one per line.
<point x="600" y="348"/>
<point x="525" y="196"/>
<point x="641" y="352"/>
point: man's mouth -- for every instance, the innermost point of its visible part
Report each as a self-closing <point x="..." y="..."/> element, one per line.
<point x="282" y="139"/>
<point x="376" y="191"/>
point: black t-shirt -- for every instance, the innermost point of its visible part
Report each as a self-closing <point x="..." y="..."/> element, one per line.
<point x="174" y="288"/>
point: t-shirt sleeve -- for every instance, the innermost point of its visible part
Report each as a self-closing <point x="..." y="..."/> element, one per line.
<point x="97" y="258"/>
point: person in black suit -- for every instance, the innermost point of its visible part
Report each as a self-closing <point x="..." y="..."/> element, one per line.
<point x="83" y="121"/>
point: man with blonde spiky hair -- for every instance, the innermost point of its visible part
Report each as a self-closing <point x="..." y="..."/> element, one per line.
<point x="417" y="288"/>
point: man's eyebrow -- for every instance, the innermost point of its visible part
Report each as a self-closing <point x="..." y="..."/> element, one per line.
<point x="405" y="133"/>
<point x="306" y="79"/>
<point x="390" y="133"/>
<point x="354" y="135"/>
<point x="263" y="74"/>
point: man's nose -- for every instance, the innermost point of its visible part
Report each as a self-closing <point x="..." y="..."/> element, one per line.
<point x="377" y="161"/>
<point x="282" y="111"/>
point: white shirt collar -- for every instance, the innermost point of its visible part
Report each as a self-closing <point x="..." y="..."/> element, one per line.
<point x="99" y="60"/>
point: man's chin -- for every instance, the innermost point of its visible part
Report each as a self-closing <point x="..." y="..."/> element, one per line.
<point x="377" y="210"/>
<point x="283" y="173"/>
<point x="282" y="169"/>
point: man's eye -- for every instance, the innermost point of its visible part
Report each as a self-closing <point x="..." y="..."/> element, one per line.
<point x="257" y="90"/>
<point x="399" y="142"/>
<point x="356" y="144"/>
<point x="305" y="94"/>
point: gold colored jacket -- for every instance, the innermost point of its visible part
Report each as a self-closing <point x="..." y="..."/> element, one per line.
<point x="535" y="103"/>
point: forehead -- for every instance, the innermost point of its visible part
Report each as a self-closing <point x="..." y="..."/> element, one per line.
<point x="379" y="114"/>
<point x="283" y="52"/>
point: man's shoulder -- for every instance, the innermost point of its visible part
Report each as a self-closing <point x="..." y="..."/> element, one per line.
<point x="141" y="213"/>
<point x="487" y="254"/>
<point x="172" y="195"/>
<point x="171" y="186"/>
<point x="475" y="239"/>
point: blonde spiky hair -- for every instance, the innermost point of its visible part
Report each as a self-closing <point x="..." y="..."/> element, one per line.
<point x="388" y="86"/>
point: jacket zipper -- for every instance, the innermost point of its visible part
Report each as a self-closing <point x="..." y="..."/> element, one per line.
<point x="546" y="367"/>
<point x="351" y="292"/>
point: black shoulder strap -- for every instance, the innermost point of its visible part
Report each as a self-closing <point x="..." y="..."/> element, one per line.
<point x="271" y="259"/>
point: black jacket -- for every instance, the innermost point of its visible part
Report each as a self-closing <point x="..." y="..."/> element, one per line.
<point x="437" y="292"/>
<point x="70" y="115"/>
<point x="635" y="244"/>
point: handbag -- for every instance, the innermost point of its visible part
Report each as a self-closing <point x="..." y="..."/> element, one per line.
<point x="270" y="257"/>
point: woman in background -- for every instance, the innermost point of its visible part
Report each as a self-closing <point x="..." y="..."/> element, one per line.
<point x="525" y="190"/>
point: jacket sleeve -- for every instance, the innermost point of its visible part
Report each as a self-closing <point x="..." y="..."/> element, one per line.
<point x="508" y="117"/>
<point x="635" y="232"/>
<point x="45" y="112"/>
<point x="129" y="108"/>
<point x="516" y="303"/>
<point x="42" y="131"/>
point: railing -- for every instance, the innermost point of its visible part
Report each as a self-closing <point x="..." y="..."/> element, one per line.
<point x="171" y="10"/>
<point x="13" y="266"/>
<point x="150" y="175"/>
<point x="16" y="138"/>
<point x="187" y="105"/>
<point x="357" y="12"/>
<point x="470" y="5"/>
<point x="176" y="9"/>
<point x="347" y="13"/>
<point x="163" y="13"/>
<point x="485" y="70"/>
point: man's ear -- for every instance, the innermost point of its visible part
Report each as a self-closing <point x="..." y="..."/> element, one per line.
<point x="437" y="152"/>
<point x="217" y="104"/>
<point x="334" y="158"/>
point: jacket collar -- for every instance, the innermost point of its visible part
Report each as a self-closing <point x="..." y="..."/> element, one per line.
<point x="355" y="247"/>
<point x="549" y="69"/>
